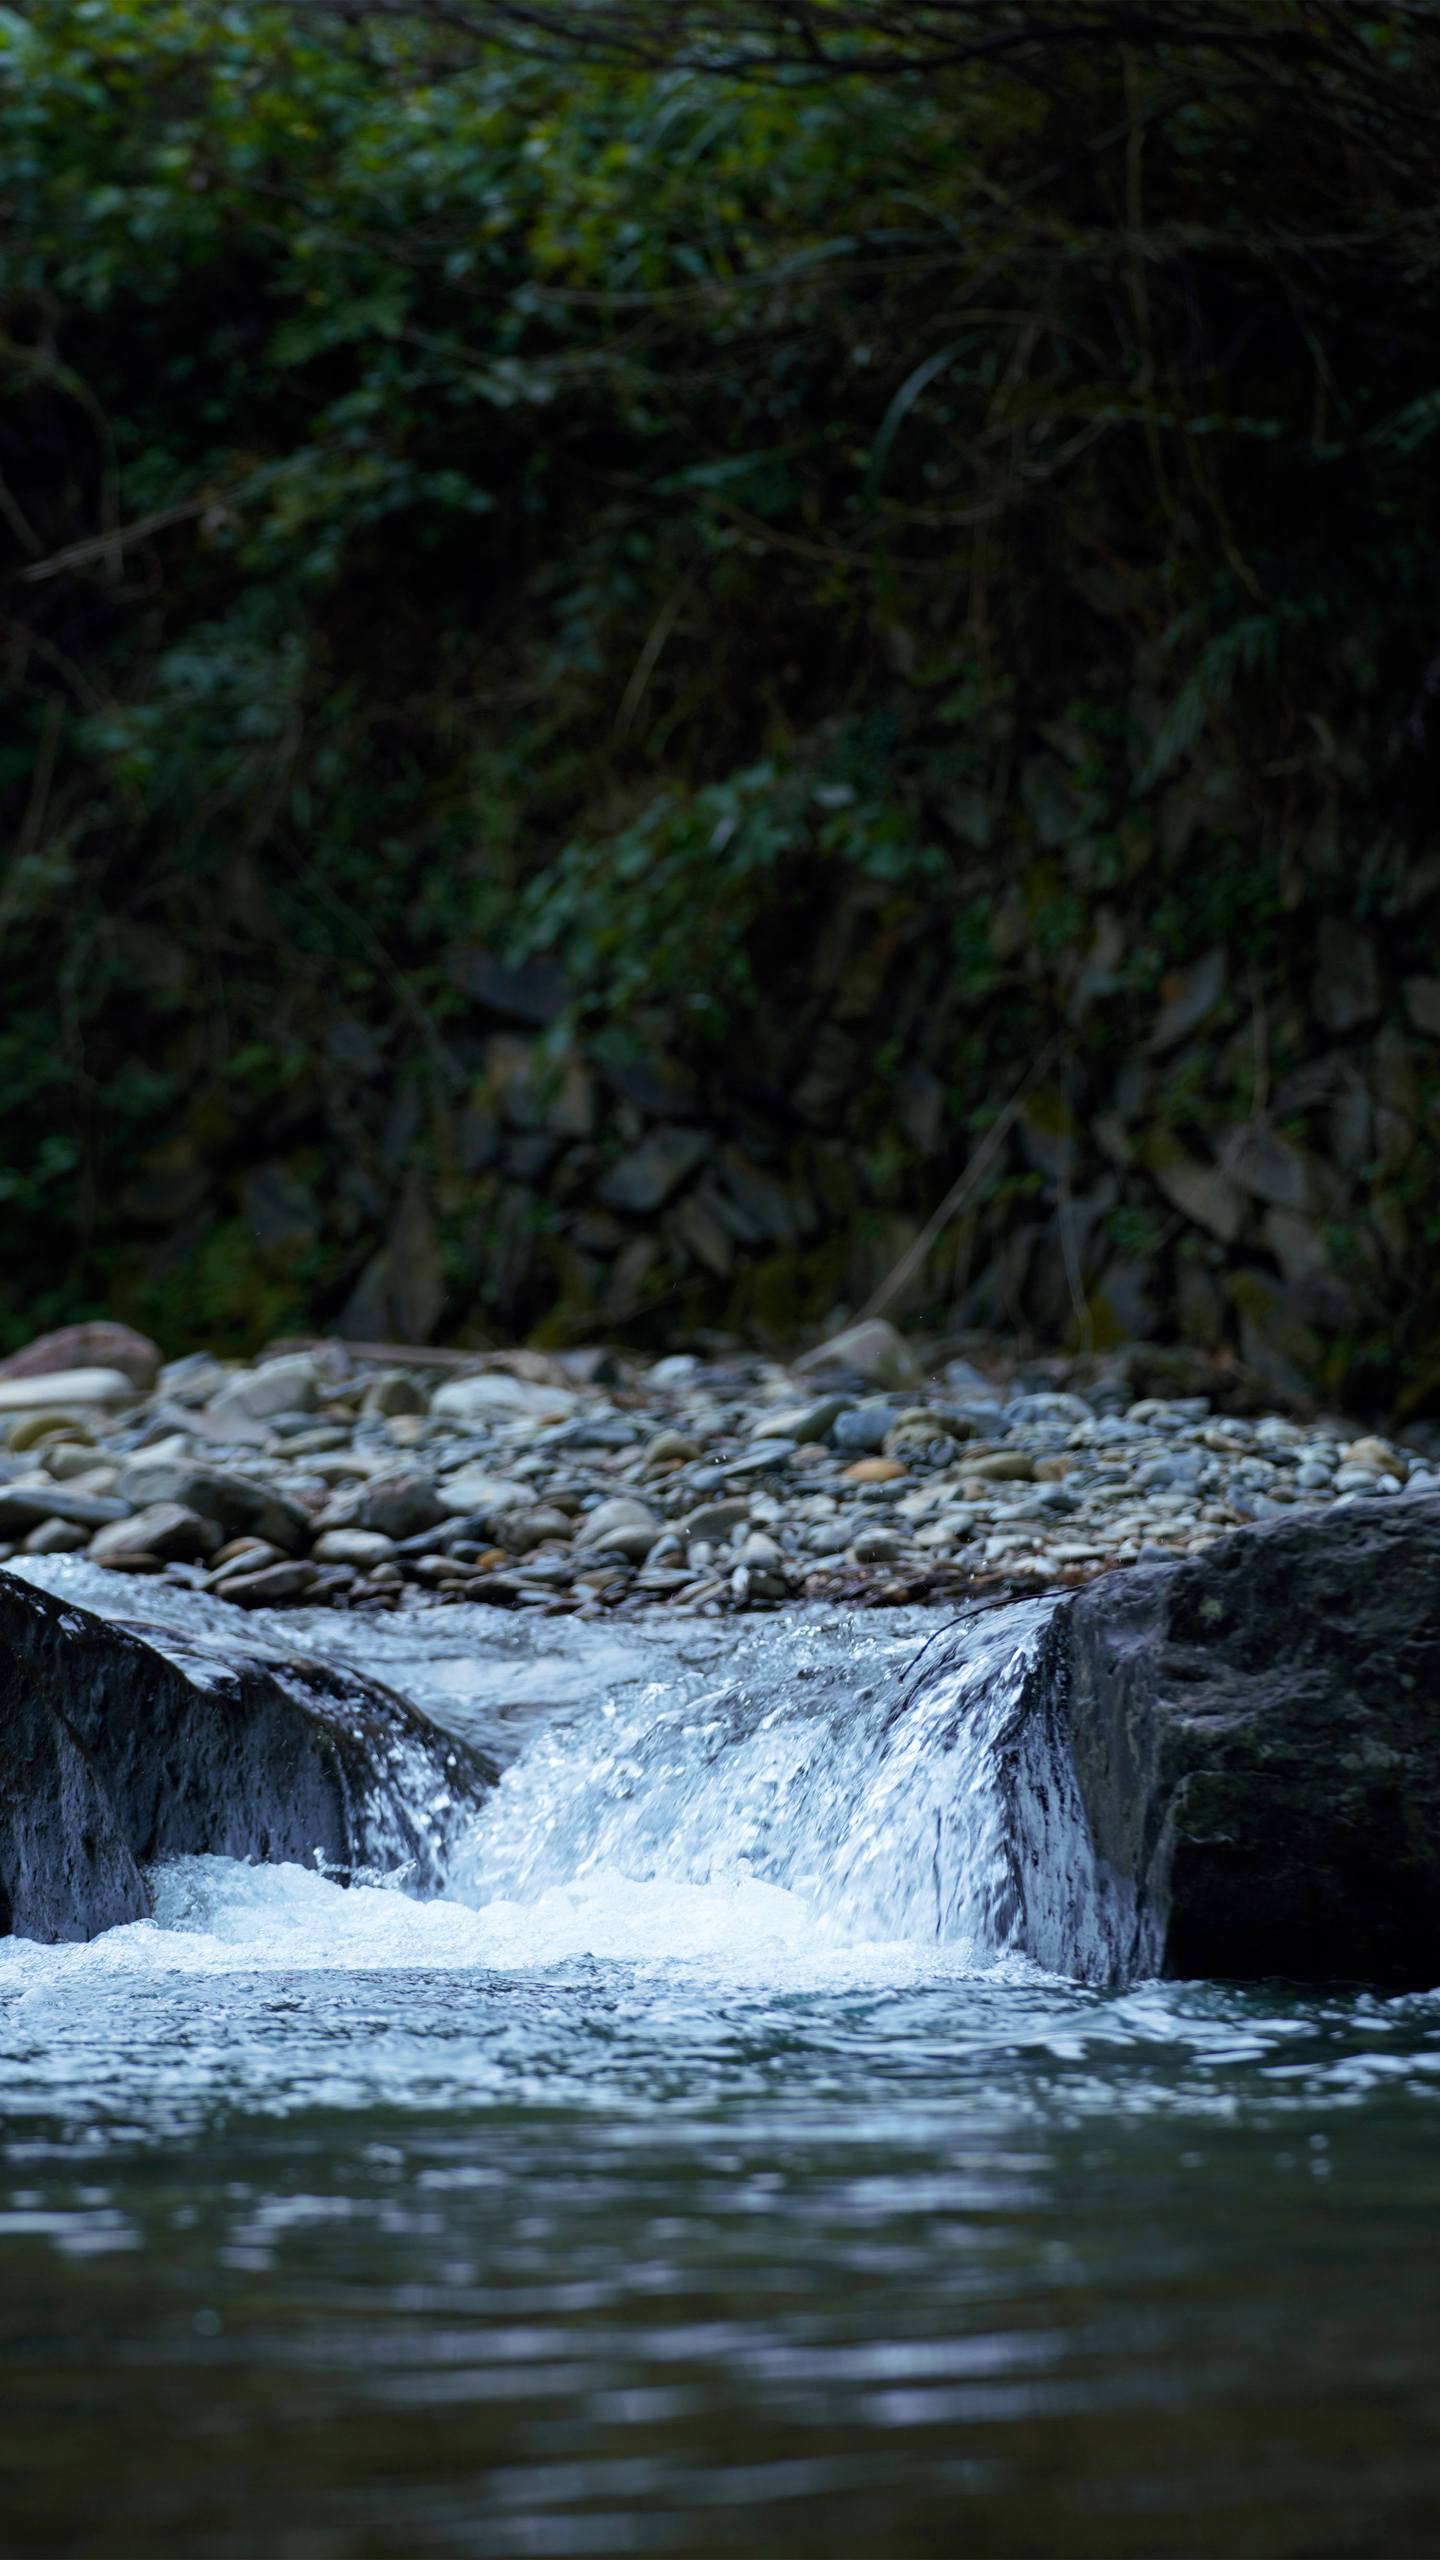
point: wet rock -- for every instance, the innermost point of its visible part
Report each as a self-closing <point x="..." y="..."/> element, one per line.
<point x="1255" y="1754"/>
<point x="98" y="1345"/>
<point x="114" y="1752"/>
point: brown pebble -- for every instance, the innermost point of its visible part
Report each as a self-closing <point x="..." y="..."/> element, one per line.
<point x="873" y="1471"/>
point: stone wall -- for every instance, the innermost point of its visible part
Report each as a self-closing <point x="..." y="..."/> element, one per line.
<point x="1237" y="1158"/>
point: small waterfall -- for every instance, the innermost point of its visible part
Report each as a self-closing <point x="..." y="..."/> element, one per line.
<point x="785" y="1784"/>
<point x="888" y="1817"/>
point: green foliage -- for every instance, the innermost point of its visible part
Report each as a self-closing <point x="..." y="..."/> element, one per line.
<point x="665" y="913"/>
<point x="460" y="497"/>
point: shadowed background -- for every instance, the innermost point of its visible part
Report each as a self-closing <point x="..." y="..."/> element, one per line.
<point x="621" y="627"/>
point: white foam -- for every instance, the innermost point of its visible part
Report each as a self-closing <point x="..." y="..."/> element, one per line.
<point x="217" y="1916"/>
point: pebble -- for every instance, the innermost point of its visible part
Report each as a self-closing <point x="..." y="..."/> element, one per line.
<point x="69" y="1457"/>
<point x="715" y="1519"/>
<point x="30" y="1498"/>
<point x="670" y="1449"/>
<point x="29" y="1429"/>
<point x="164" y="1529"/>
<point x="801" y="1423"/>
<point x="57" y="1394"/>
<point x="363" y="1547"/>
<point x="863" y="1427"/>
<point x="632" y="1539"/>
<point x="702" y="1485"/>
<point x="270" y="1588"/>
<point x="876" y="1546"/>
<point x="56" y="1538"/>
<point x="495" y="1392"/>
<point x="621" y="1513"/>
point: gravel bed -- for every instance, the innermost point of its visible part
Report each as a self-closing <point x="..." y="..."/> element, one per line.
<point x="601" y="1484"/>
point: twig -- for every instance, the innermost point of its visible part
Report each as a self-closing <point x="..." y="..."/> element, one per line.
<point x="959" y="1192"/>
<point x="109" y="546"/>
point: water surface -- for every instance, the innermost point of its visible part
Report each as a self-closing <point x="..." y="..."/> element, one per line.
<point x="656" y="2192"/>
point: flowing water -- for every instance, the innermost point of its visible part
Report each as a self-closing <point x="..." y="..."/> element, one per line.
<point x="703" y="2173"/>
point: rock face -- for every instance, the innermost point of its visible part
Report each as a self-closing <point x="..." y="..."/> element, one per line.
<point x="1230" y="1766"/>
<point x="116" y="1747"/>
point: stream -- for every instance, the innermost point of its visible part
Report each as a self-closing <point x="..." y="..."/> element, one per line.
<point x="703" y="2173"/>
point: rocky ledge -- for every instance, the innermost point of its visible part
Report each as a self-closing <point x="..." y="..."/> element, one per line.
<point x="1230" y="1766"/>
<point x="119" y="1747"/>
<point x="590" y="1482"/>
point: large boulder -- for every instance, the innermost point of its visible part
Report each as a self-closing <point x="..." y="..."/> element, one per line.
<point x="118" y="1745"/>
<point x="100" y="1344"/>
<point x="1230" y="1765"/>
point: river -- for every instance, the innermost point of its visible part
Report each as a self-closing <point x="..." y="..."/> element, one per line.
<point x="701" y="2174"/>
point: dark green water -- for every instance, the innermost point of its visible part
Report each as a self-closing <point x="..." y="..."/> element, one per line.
<point x="641" y="2262"/>
<point x="698" y="2178"/>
